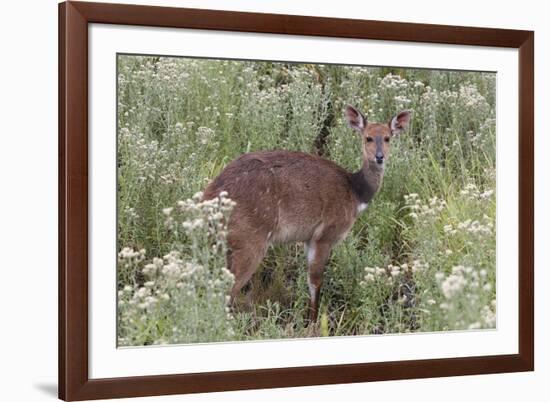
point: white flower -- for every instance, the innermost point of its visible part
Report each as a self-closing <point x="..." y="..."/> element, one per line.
<point x="370" y="270"/>
<point x="453" y="284"/>
<point x="369" y="278"/>
<point x="380" y="271"/>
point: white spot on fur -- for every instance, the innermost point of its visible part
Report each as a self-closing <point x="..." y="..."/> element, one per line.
<point x="310" y="254"/>
<point x="362" y="206"/>
<point x="312" y="290"/>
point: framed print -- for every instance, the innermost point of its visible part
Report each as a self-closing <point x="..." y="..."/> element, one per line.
<point x="259" y="200"/>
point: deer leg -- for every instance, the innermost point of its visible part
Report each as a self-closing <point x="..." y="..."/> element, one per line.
<point x="242" y="263"/>
<point x="317" y="256"/>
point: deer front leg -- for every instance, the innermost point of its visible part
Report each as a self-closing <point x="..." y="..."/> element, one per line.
<point x="317" y="254"/>
<point x="243" y="261"/>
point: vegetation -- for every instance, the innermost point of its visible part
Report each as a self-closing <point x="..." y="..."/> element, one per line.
<point x="420" y="258"/>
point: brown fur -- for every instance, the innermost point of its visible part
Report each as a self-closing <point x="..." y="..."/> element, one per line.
<point x="285" y="196"/>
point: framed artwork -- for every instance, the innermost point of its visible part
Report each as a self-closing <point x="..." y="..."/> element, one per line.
<point x="260" y="200"/>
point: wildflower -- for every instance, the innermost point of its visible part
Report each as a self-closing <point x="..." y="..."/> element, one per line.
<point x="394" y="270"/>
<point x="369" y="278"/>
<point x="205" y="135"/>
<point x="370" y="270"/>
<point x="149" y="269"/>
<point x="452" y="285"/>
<point x="418" y="266"/>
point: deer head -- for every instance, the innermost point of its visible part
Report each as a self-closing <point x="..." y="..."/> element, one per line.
<point x="376" y="137"/>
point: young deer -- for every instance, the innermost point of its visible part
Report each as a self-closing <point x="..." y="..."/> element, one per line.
<point x="284" y="196"/>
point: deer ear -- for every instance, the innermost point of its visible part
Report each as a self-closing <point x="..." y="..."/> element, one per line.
<point x="355" y="118"/>
<point x="400" y="122"/>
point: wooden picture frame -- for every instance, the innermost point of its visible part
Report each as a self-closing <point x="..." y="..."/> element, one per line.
<point x="74" y="381"/>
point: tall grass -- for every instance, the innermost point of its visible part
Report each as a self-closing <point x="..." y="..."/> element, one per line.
<point x="420" y="258"/>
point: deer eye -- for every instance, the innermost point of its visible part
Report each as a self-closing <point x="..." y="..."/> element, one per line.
<point x="387" y="139"/>
<point x="369" y="139"/>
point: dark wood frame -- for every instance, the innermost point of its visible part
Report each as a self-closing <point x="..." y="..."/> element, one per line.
<point x="74" y="17"/>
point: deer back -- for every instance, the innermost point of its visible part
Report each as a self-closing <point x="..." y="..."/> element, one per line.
<point x="288" y="196"/>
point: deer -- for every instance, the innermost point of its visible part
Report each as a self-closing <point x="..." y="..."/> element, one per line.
<point x="288" y="197"/>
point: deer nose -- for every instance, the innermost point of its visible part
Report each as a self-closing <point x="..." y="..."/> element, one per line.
<point x="379" y="157"/>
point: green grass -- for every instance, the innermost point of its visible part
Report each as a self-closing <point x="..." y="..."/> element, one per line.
<point x="420" y="262"/>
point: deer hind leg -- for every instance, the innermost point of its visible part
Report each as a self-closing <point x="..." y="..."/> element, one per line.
<point x="317" y="254"/>
<point x="243" y="262"/>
